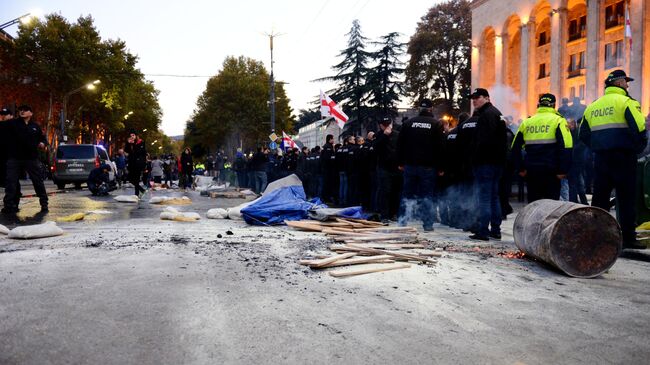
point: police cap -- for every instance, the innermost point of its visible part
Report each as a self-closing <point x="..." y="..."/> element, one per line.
<point x="547" y="100"/>
<point x="617" y="75"/>
<point x="479" y="92"/>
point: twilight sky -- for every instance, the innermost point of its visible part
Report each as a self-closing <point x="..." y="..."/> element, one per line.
<point x="193" y="37"/>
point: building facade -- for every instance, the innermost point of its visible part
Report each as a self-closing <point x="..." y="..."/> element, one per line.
<point x="566" y="47"/>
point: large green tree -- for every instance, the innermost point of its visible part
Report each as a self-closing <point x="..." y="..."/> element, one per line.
<point x="50" y="58"/>
<point x="233" y="110"/>
<point x="385" y="79"/>
<point x="440" y="50"/>
<point x="352" y="76"/>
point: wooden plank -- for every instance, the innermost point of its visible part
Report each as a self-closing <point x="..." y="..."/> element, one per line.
<point x="392" y="253"/>
<point x="386" y="229"/>
<point x="341" y="274"/>
<point x="329" y="260"/>
<point x="361" y="260"/>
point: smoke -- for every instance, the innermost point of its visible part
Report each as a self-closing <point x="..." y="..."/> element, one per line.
<point x="506" y="100"/>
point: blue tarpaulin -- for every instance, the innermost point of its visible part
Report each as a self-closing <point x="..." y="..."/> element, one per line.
<point x="286" y="203"/>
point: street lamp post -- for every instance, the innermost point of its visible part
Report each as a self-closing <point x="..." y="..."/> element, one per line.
<point x="272" y="82"/>
<point x="89" y="86"/>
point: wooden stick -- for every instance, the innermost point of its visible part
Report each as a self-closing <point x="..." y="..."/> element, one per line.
<point x="392" y="253"/>
<point x="340" y="274"/>
<point x="361" y="260"/>
<point x="329" y="260"/>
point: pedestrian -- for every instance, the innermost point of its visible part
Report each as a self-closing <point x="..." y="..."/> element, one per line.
<point x="221" y="164"/>
<point x="157" y="170"/>
<point x="98" y="180"/>
<point x="614" y="128"/>
<point x="120" y="165"/>
<point x="259" y="164"/>
<point x="136" y="152"/>
<point x="187" y="168"/>
<point x="389" y="177"/>
<point x="549" y="147"/>
<point x="24" y="139"/>
<point x="240" y="169"/>
<point x="5" y="116"/>
<point x="420" y="150"/>
<point x="488" y="161"/>
<point x="168" y="166"/>
<point x="146" y="173"/>
<point x="329" y="171"/>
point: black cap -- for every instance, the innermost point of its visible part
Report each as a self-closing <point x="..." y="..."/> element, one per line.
<point x="479" y="92"/>
<point x="5" y="111"/>
<point x="547" y="100"/>
<point x="426" y="103"/>
<point x="386" y="121"/>
<point x="617" y="75"/>
<point x="24" y="107"/>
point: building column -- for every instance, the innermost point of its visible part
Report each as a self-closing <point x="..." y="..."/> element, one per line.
<point x="524" y="79"/>
<point x="476" y="65"/>
<point x="558" y="51"/>
<point x="594" y="61"/>
<point x="531" y="103"/>
<point x="498" y="60"/>
<point x="636" y="56"/>
<point x="503" y="70"/>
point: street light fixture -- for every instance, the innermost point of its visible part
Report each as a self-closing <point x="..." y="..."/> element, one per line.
<point x="88" y="86"/>
<point x="21" y="19"/>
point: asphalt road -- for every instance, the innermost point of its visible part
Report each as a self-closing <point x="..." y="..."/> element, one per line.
<point x="128" y="288"/>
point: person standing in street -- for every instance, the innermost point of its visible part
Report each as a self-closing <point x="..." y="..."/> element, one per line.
<point x="120" y="164"/>
<point x="489" y="155"/>
<point x="187" y="167"/>
<point x="549" y="146"/>
<point x="614" y="128"/>
<point x="24" y="139"/>
<point x="136" y="161"/>
<point x="420" y="157"/>
<point x="5" y="116"/>
<point x="388" y="174"/>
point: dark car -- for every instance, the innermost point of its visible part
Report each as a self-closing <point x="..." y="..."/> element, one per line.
<point x="73" y="163"/>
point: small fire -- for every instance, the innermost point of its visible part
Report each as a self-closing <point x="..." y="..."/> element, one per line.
<point x="512" y="254"/>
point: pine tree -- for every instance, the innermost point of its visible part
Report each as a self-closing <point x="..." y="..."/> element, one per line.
<point x="384" y="80"/>
<point x="351" y="76"/>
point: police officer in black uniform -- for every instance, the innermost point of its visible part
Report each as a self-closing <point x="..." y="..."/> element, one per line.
<point x="24" y="139"/>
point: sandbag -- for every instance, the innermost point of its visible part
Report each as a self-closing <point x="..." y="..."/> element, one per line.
<point x="47" y="229"/>
<point x="170" y="200"/>
<point x="3" y="229"/>
<point x="127" y="198"/>
<point x="173" y="214"/>
<point x="235" y="212"/>
<point x="217" y="213"/>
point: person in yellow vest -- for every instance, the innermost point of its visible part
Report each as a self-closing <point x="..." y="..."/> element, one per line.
<point x="614" y="128"/>
<point x="548" y="144"/>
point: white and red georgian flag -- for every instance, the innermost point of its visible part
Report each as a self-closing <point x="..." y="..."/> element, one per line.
<point x="287" y="142"/>
<point x="628" y="26"/>
<point x="328" y="108"/>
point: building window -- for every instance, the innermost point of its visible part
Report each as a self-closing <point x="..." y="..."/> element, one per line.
<point x="572" y="92"/>
<point x="576" y="64"/>
<point x="582" y="92"/>
<point x="542" y="71"/>
<point x="615" y="15"/>
<point x="543" y="39"/>
<point x="578" y="28"/>
<point x="614" y="53"/>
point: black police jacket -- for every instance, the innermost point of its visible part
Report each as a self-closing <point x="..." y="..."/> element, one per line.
<point x="491" y="146"/>
<point x="22" y="139"/>
<point x="421" y="142"/>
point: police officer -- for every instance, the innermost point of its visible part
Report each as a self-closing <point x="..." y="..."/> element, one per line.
<point x="614" y="128"/>
<point x="5" y="116"/>
<point x="549" y="145"/>
<point x="419" y="155"/>
<point x="24" y="139"/>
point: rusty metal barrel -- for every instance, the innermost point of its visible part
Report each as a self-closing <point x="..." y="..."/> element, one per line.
<point x="580" y="240"/>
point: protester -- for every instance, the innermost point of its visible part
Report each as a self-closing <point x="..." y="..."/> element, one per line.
<point x="157" y="170"/>
<point x="120" y="165"/>
<point x="136" y="161"/>
<point x="614" y="128"/>
<point x="98" y="180"/>
<point x="389" y="176"/>
<point x="259" y="164"/>
<point x="187" y="168"/>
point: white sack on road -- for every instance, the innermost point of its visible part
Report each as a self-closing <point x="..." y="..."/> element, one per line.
<point x="47" y="229"/>
<point x="173" y="214"/>
<point x="3" y="229"/>
<point x="127" y="198"/>
<point x="217" y="213"/>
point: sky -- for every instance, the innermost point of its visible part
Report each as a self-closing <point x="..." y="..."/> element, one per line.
<point x="193" y="37"/>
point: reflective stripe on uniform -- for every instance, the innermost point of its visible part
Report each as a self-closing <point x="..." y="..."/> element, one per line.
<point x="609" y="126"/>
<point x="541" y="141"/>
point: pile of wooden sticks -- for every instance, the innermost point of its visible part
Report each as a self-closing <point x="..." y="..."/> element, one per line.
<point x="359" y="242"/>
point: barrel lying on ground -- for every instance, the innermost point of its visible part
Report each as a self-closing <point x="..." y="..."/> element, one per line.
<point x="580" y="240"/>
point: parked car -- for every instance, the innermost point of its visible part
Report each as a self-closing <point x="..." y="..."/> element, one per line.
<point x="73" y="163"/>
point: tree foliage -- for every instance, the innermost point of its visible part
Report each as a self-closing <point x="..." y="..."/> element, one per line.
<point x="440" y="53"/>
<point x="50" y="58"/>
<point x="385" y="78"/>
<point x="233" y="110"/>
